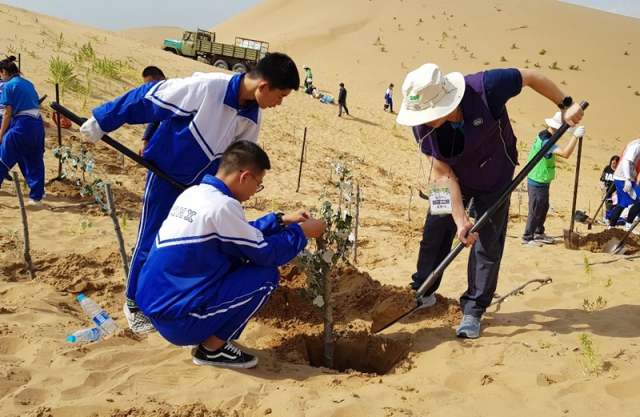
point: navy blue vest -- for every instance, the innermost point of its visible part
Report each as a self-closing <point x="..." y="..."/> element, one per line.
<point x="485" y="161"/>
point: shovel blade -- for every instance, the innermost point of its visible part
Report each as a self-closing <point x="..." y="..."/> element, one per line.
<point x="611" y="245"/>
<point x="571" y="239"/>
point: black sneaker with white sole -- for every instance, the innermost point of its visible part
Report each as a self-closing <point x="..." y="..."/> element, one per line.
<point x="228" y="356"/>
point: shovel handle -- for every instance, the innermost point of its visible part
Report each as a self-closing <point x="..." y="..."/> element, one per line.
<point x="119" y="147"/>
<point x="490" y="212"/>
<point x="609" y="192"/>
<point x="575" y="186"/>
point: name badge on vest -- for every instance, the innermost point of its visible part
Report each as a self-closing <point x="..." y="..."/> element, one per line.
<point x="440" y="198"/>
<point x="478" y="121"/>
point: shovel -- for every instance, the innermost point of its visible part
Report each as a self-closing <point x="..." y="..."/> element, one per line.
<point x="607" y="195"/>
<point x="378" y="327"/>
<point x="571" y="238"/>
<point x="119" y="147"/>
<point x="617" y="247"/>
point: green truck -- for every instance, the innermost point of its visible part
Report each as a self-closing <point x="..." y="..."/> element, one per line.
<point x="201" y="45"/>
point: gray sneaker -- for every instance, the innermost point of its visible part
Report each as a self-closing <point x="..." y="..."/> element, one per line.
<point x="532" y="243"/>
<point x="469" y="327"/>
<point x="138" y="322"/>
<point x="544" y="238"/>
<point x="427" y="302"/>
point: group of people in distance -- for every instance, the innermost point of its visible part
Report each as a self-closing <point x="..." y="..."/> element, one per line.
<point x="200" y="270"/>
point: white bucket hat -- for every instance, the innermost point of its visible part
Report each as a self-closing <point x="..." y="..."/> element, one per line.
<point x="429" y="95"/>
<point x="555" y="121"/>
<point x="305" y="67"/>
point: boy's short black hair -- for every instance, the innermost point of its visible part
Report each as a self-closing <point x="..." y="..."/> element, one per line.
<point x="244" y="155"/>
<point x="278" y="70"/>
<point x="152" y="71"/>
<point x="341" y="84"/>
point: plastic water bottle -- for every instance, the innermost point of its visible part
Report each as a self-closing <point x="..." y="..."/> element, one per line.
<point x="98" y="315"/>
<point x="85" y="335"/>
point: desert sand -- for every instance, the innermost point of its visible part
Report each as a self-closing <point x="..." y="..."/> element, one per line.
<point x="568" y="347"/>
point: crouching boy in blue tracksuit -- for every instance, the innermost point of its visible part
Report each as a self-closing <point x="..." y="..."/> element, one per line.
<point x="209" y="270"/>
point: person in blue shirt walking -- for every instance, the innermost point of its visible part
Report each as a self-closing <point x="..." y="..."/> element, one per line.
<point x="462" y="123"/>
<point x="539" y="180"/>
<point x="22" y="130"/>
<point x="209" y="270"/>
<point x="201" y="115"/>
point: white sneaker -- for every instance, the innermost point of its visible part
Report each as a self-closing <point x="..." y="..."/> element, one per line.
<point x="531" y="242"/>
<point x="138" y="322"/>
<point x="32" y="202"/>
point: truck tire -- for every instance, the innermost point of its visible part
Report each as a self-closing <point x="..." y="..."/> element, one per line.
<point x="221" y="63"/>
<point x="239" y="68"/>
<point x="173" y="51"/>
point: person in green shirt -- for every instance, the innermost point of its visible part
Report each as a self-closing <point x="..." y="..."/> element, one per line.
<point x="540" y="178"/>
<point x="308" y="79"/>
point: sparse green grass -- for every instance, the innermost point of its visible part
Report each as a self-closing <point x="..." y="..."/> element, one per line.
<point x="503" y="59"/>
<point x="626" y="53"/>
<point x="593" y="306"/>
<point x="537" y="65"/>
<point x="542" y="51"/>
<point x="590" y="359"/>
<point x="637" y="93"/>
<point x="574" y="67"/>
<point x="588" y="271"/>
<point x="486" y="63"/>
<point x="554" y="65"/>
<point x="61" y="73"/>
<point x="514" y="46"/>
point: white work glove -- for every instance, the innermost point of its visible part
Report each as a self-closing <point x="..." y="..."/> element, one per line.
<point x="580" y="131"/>
<point x="628" y="187"/>
<point x="571" y="129"/>
<point x="91" y="130"/>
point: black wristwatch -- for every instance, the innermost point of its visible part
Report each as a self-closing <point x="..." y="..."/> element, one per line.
<point x="566" y="102"/>
<point x="279" y="219"/>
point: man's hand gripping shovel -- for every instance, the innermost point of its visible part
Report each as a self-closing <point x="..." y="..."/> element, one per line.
<point x="119" y="147"/>
<point x="379" y="323"/>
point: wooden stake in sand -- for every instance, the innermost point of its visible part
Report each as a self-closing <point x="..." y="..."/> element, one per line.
<point x="304" y="142"/>
<point x="59" y="131"/>
<point x="116" y="227"/>
<point x="25" y="226"/>
<point x="355" y="228"/>
<point x="410" y="198"/>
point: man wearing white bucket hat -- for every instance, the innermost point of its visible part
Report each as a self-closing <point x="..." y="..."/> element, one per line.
<point x="539" y="180"/>
<point x="463" y="124"/>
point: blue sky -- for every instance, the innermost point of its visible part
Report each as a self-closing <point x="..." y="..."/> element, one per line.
<point x="624" y="7"/>
<point x="126" y="14"/>
<point x="190" y="14"/>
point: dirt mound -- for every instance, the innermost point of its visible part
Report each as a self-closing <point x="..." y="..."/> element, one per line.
<point x="595" y="242"/>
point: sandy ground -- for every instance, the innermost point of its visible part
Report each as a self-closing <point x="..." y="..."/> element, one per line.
<point x="568" y="347"/>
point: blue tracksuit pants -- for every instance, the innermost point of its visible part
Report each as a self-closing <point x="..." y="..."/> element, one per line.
<point x="23" y="144"/>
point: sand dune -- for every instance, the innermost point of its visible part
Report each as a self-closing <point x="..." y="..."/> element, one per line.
<point x="530" y="357"/>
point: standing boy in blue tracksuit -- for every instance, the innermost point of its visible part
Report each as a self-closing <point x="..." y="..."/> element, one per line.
<point x="201" y="115"/>
<point x="21" y="130"/>
<point x="209" y="270"/>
